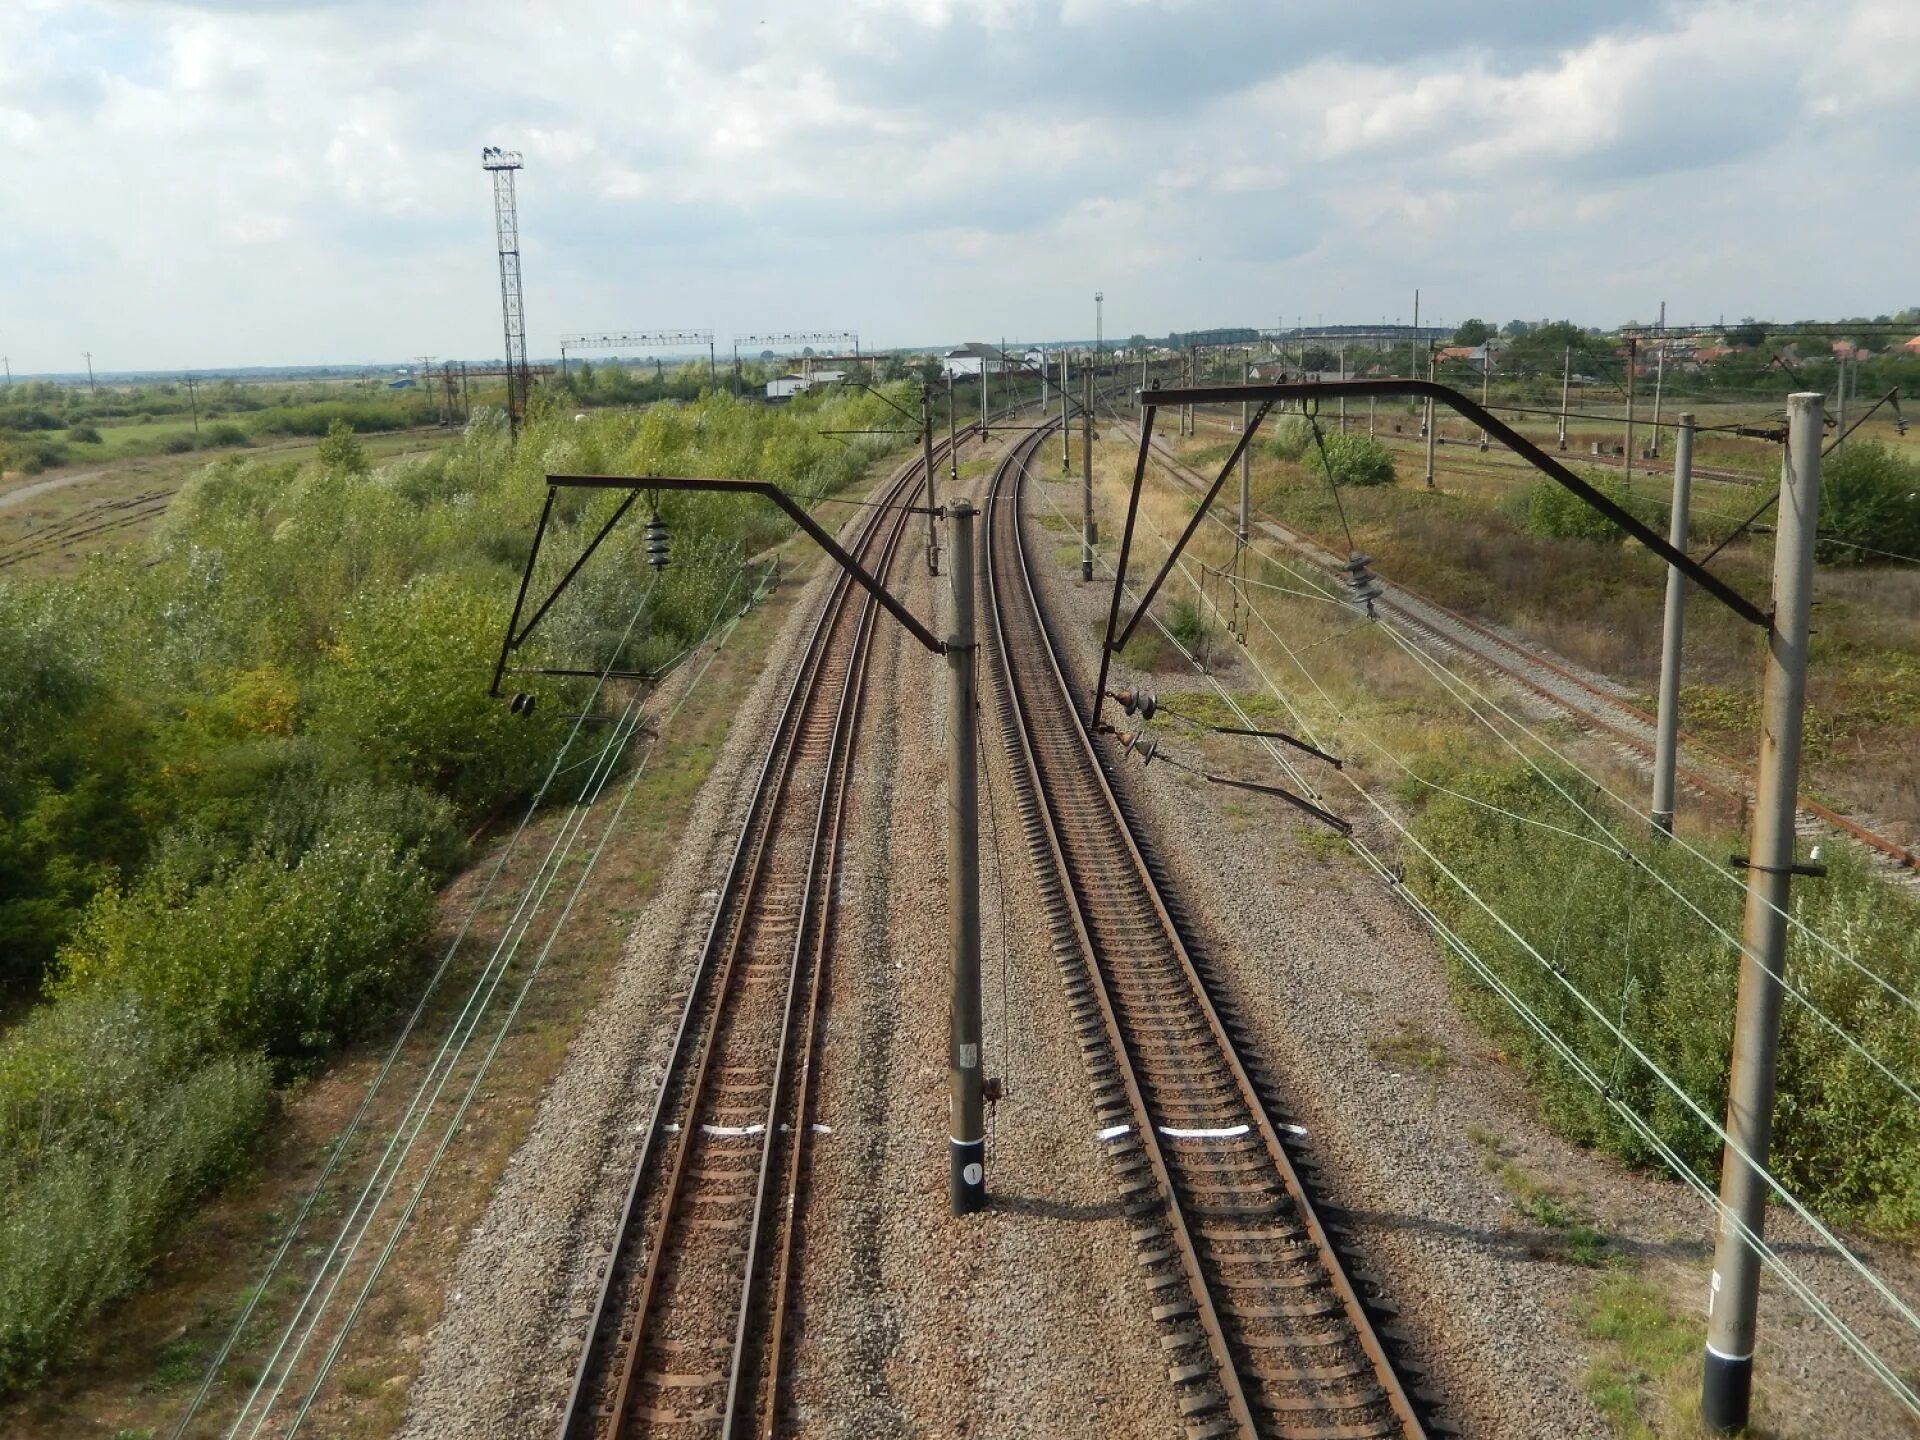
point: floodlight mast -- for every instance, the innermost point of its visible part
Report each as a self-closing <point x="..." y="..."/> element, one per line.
<point x="503" y="164"/>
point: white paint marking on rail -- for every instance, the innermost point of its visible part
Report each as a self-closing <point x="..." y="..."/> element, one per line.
<point x="1113" y="1132"/>
<point x="732" y="1131"/>
<point x="1225" y="1132"/>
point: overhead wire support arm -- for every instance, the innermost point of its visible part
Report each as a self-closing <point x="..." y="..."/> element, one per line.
<point x="1473" y="412"/>
<point x="768" y="490"/>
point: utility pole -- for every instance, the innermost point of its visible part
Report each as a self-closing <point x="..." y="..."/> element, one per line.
<point x="1430" y="427"/>
<point x="1066" y="429"/>
<point x="953" y="443"/>
<point x="1088" y="536"/>
<point x="983" y="399"/>
<point x="1343" y="395"/>
<point x="1099" y="327"/>
<point x="1659" y="381"/>
<point x="1566" y="379"/>
<point x="1486" y="381"/>
<point x="926" y="452"/>
<point x="1726" y="1389"/>
<point x="1370" y="415"/>
<point x="1633" y="359"/>
<point x="966" y="1183"/>
<point x="1840" y="399"/>
<point x="193" y="399"/>
<point x="1246" y="462"/>
<point x="7" y="360"/>
<point x="1140" y="400"/>
<point x="1667" y="729"/>
<point x="91" y="387"/>
<point x="1413" y="345"/>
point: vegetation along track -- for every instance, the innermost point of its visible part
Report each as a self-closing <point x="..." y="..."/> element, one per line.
<point x="1627" y="725"/>
<point x="1265" y="1330"/>
<point x="690" y="1328"/>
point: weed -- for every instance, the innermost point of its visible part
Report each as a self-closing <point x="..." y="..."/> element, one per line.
<point x="1412" y="1046"/>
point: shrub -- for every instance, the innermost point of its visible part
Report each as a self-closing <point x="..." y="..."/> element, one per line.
<point x="1869" y="502"/>
<point x="31" y="454"/>
<point x="1358" y="460"/>
<point x="1845" y="1139"/>
<point x="341" y="453"/>
<point x="178" y="443"/>
<point x="83" y="435"/>
<point x="1187" y="624"/>
<point x="1558" y="514"/>
<point x="1290" y="439"/>
<point x="226" y="433"/>
<point x="288" y="958"/>
<point x="110" y="1126"/>
<point x="409" y="690"/>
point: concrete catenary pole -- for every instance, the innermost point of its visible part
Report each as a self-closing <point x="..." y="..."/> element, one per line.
<point x="1667" y="727"/>
<point x="1246" y="454"/>
<point x="1066" y="426"/>
<point x="1343" y="398"/>
<point x="1659" y="383"/>
<point x="1727" y="1382"/>
<point x="1430" y="427"/>
<point x="1566" y="380"/>
<point x="967" y="1152"/>
<point x="983" y="399"/>
<point x="1089" y="536"/>
<point x="1633" y="363"/>
<point x="926" y="458"/>
<point x="953" y="441"/>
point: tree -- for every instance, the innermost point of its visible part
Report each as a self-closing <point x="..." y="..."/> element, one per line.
<point x="1749" y="333"/>
<point x="341" y="453"/>
<point x="1472" y="332"/>
<point x="1516" y="329"/>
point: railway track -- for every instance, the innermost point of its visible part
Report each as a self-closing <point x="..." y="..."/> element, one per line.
<point x="1265" y="1331"/>
<point x="692" y="1324"/>
<point x="1626" y="725"/>
<point x="100" y="519"/>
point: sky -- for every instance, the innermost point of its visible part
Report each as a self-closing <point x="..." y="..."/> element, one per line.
<point x="269" y="182"/>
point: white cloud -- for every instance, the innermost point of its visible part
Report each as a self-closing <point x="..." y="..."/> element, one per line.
<point x="234" y="182"/>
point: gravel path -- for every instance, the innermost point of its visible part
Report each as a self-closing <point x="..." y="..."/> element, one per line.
<point x="1414" y="1120"/>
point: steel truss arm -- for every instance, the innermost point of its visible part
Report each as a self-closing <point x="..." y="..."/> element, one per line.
<point x="767" y="490"/>
<point x="1496" y="428"/>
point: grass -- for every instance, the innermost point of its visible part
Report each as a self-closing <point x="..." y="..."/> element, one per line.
<point x="1644" y="1374"/>
<point x="1412" y="1046"/>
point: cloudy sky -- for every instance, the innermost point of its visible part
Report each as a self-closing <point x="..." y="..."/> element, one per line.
<point x="283" y="181"/>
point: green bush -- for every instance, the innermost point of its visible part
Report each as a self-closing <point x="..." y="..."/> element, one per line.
<point x="1187" y="624"/>
<point x="1290" y="439"/>
<point x="1845" y="1138"/>
<point x="110" y="1126"/>
<point x="1358" y="460"/>
<point x="284" y="957"/>
<point x="225" y="433"/>
<point x="1557" y="513"/>
<point x="178" y="443"/>
<point x="31" y="454"/>
<point x="342" y="454"/>
<point x="1869" y="506"/>
<point x="83" y="435"/>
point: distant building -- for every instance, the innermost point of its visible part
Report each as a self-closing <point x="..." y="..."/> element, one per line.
<point x="1912" y="347"/>
<point x="973" y="358"/>
<point x="785" y="387"/>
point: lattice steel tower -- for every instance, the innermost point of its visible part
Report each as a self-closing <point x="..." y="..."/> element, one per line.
<point x="506" y="225"/>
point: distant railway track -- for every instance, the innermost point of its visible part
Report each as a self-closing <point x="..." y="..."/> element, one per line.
<point x="1265" y="1330"/>
<point x="690" y="1332"/>
<point x="103" y="518"/>
<point x="1623" y="722"/>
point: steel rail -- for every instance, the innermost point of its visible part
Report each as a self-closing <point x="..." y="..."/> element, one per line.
<point x="1268" y="1383"/>
<point x="622" y="1328"/>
